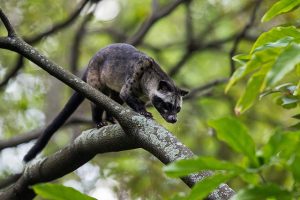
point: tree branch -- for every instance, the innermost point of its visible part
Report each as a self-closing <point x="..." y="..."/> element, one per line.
<point x="34" y="39"/>
<point x="154" y="138"/>
<point x="241" y="35"/>
<point x="9" y="180"/>
<point x="139" y="131"/>
<point x="195" y="92"/>
<point x="19" y="64"/>
<point x="197" y="46"/>
<point x="58" y="26"/>
<point x="34" y="134"/>
<point x="10" y="30"/>
<point x="152" y="19"/>
<point x="74" y="57"/>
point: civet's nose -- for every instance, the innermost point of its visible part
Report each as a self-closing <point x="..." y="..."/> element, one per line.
<point x="172" y="118"/>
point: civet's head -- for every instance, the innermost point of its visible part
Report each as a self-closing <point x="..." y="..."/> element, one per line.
<point x="167" y="100"/>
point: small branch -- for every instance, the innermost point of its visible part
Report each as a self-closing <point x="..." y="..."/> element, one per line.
<point x="175" y="69"/>
<point x="190" y="43"/>
<point x="32" y="40"/>
<point x="197" y="46"/>
<point x="151" y="20"/>
<point x="116" y="35"/>
<point x="10" y="30"/>
<point x="195" y="92"/>
<point x="27" y="137"/>
<point x="189" y="30"/>
<point x="19" y="64"/>
<point x="74" y="57"/>
<point x="58" y="26"/>
<point x="241" y="35"/>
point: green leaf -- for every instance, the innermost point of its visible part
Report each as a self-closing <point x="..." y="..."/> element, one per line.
<point x="276" y="34"/>
<point x="251" y="178"/>
<point x="59" y="192"/>
<point x="294" y="166"/>
<point x="261" y="56"/>
<point x="284" y="64"/>
<point x="237" y="75"/>
<point x="241" y="58"/>
<point x="235" y="134"/>
<point x="297" y="116"/>
<point x="281" y="144"/>
<point x="289" y="100"/>
<point x="295" y="126"/>
<point x="251" y="93"/>
<point x="204" y="188"/>
<point x="282" y="42"/>
<point x="280" y="7"/>
<point x="184" y="167"/>
<point x="262" y="192"/>
<point x="297" y="90"/>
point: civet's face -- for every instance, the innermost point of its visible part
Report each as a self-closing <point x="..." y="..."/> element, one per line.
<point x="168" y="101"/>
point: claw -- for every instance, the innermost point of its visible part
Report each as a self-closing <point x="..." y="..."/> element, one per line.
<point x="101" y="124"/>
<point x="146" y="114"/>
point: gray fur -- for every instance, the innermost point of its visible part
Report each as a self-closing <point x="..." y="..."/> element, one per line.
<point x="135" y="76"/>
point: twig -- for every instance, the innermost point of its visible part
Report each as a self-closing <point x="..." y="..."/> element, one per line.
<point x="34" y="39"/>
<point x="194" y="92"/>
<point x="34" y="134"/>
<point x="58" y="26"/>
<point x="74" y="57"/>
<point x="241" y="35"/>
<point x="10" y="30"/>
<point x="116" y="35"/>
<point x="19" y="64"/>
<point x="197" y="46"/>
<point x="151" y="20"/>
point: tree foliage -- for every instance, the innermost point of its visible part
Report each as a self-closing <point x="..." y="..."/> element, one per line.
<point x="273" y="57"/>
<point x="248" y="135"/>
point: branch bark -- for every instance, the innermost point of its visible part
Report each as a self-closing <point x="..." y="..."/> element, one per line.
<point x="152" y="137"/>
<point x="139" y="131"/>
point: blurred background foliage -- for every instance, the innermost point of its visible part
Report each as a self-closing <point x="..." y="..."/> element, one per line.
<point x="198" y="34"/>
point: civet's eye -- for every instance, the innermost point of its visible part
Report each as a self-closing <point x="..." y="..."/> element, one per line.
<point x="167" y="106"/>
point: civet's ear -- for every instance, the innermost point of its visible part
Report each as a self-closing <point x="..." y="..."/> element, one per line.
<point x="165" y="86"/>
<point x="183" y="92"/>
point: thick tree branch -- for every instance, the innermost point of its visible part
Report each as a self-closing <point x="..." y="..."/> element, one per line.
<point x="154" y="139"/>
<point x="139" y="130"/>
<point x="9" y="180"/>
<point x="34" y="134"/>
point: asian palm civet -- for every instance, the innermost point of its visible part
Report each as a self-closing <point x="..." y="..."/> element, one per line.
<point x="127" y="75"/>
